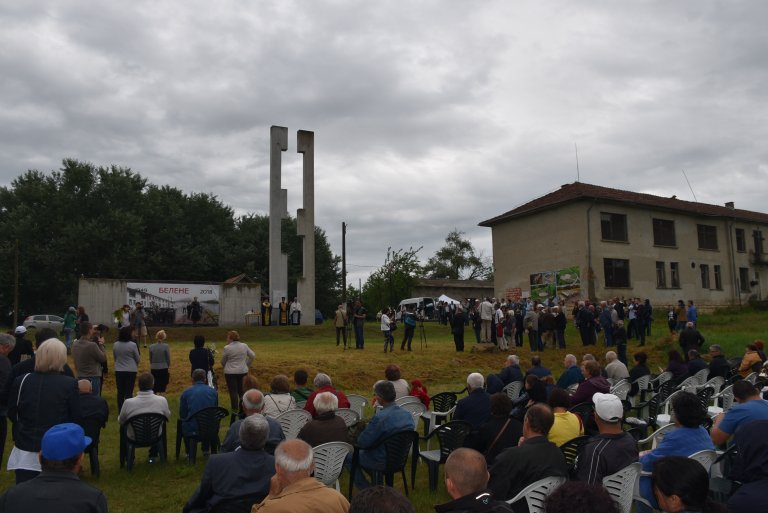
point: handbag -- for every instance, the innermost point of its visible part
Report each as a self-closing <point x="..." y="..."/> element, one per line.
<point x="393" y="326"/>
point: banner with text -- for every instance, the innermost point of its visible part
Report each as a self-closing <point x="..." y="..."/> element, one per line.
<point x="176" y="303"/>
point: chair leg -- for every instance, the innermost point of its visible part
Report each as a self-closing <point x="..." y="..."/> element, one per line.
<point x="192" y="444"/>
<point x="405" y="481"/>
<point x="178" y="443"/>
<point x="432" y="469"/>
<point x="131" y="457"/>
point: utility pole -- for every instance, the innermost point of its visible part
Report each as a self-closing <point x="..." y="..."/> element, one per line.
<point x="344" y="262"/>
<point x="16" y="289"/>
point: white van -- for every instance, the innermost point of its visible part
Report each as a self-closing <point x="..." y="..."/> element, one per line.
<point x="425" y="305"/>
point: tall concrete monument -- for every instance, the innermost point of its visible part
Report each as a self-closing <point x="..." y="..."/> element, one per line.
<point x="305" y="223"/>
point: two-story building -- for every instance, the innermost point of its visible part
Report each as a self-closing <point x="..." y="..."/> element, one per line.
<point x="584" y="241"/>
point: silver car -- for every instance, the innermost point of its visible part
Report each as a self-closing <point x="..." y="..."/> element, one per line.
<point x="54" y="322"/>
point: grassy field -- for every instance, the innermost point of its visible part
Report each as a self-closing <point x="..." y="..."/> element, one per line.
<point x="281" y="350"/>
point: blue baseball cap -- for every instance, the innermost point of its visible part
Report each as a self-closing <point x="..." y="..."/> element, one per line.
<point x="64" y="441"/>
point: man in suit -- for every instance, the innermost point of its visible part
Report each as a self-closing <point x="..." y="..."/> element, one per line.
<point x="244" y="472"/>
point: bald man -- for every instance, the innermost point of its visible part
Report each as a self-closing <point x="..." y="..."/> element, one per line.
<point x="466" y="480"/>
<point x="92" y="406"/>
<point x="293" y="488"/>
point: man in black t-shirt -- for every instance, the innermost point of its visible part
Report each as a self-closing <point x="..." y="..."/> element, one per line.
<point x="359" y="323"/>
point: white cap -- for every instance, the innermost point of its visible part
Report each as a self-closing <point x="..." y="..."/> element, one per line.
<point x="608" y="407"/>
<point x="20" y="330"/>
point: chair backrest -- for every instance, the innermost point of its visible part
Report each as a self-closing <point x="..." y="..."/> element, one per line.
<point x="292" y="421"/>
<point x="715" y="384"/>
<point x="329" y="461"/>
<point x="621" y="389"/>
<point x="443" y="402"/>
<point x="572" y="447"/>
<point x="209" y="421"/>
<point x="583" y="410"/>
<point x="451" y="436"/>
<point x="398" y="447"/>
<point x="663" y="377"/>
<point x="513" y="389"/>
<point x="642" y="382"/>
<point x="705" y="395"/>
<point x="349" y="415"/>
<point x="147" y="429"/>
<point x="702" y="376"/>
<point x="300" y="405"/>
<point x="658" y="435"/>
<point x="407" y="399"/>
<point x="415" y="409"/>
<point x="706" y="457"/>
<point x="752" y="378"/>
<point x="667" y="403"/>
<point x="536" y="493"/>
<point x="688" y="382"/>
<point x="727" y="395"/>
<point x="357" y="403"/>
<point x="572" y="388"/>
<point x="621" y="486"/>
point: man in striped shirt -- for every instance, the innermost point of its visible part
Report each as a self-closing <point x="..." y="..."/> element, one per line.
<point x="612" y="449"/>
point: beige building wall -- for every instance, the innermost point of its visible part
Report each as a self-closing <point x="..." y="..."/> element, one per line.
<point x="559" y="238"/>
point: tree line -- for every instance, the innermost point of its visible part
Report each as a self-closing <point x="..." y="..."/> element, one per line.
<point x="109" y="222"/>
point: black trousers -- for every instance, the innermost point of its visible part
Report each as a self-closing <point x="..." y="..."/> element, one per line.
<point x="161" y="380"/>
<point x="235" y="389"/>
<point x="124" y="382"/>
<point x="407" y="337"/>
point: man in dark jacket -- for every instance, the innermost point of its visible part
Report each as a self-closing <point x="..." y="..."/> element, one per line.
<point x="23" y="348"/>
<point x="57" y="488"/>
<point x="690" y="338"/>
<point x="572" y="374"/>
<point x="511" y="372"/>
<point x="246" y="471"/>
<point x="612" y="449"/>
<point x="466" y="480"/>
<point x="476" y="407"/>
<point x="535" y="458"/>
<point x="718" y="365"/>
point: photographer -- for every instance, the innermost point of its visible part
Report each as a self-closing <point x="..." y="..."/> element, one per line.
<point x="409" y="321"/>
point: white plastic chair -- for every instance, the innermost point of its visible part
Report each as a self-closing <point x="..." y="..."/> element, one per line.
<point x="621" y="389"/>
<point x="536" y="493"/>
<point x="350" y="416"/>
<point x="706" y="457"/>
<point x="513" y="389"/>
<point x="665" y="417"/>
<point x="621" y="486"/>
<point x="416" y="409"/>
<point x="329" y="462"/>
<point x="726" y="395"/>
<point x="572" y="388"/>
<point x="702" y="376"/>
<point x="715" y="384"/>
<point x="292" y="421"/>
<point x="357" y="403"/>
<point x="407" y="399"/>
<point x="752" y="378"/>
<point x="657" y="435"/>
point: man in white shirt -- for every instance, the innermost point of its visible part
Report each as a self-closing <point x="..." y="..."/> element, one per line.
<point x="145" y="402"/>
<point x="614" y="368"/>
<point x="486" y="316"/>
<point x="295" y="311"/>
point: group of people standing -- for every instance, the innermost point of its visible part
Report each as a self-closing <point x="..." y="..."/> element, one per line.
<point x="287" y="312"/>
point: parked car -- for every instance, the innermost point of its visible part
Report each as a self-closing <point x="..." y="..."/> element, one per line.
<point x="54" y="322"/>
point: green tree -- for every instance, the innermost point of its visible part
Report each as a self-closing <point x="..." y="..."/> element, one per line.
<point x="393" y="281"/>
<point x="457" y="260"/>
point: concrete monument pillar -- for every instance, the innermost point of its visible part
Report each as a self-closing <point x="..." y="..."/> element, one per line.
<point x="278" y="210"/>
<point x="305" y="228"/>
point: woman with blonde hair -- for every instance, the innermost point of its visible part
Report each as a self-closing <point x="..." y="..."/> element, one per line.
<point x="38" y="401"/>
<point x="236" y="359"/>
<point x="160" y="362"/>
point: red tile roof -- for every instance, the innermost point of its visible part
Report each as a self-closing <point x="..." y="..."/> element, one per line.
<point x="576" y="191"/>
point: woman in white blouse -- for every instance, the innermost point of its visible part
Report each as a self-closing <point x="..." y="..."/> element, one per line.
<point x="236" y="359"/>
<point x="280" y="398"/>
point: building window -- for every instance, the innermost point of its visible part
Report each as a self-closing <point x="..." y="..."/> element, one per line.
<point x="757" y="236"/>
<point x="707" y="236"/>
<point x="674" y="275"/>
<point x="661" y="276"/>
<point x="664" y="232"/>
<point x="613" y="226"/>
<point x="704" y="268"/>
<point x="741" y="243"/>
<point x="743" y="279"/>
<point x="616" y="272"/>
<point x="718" y="278"/>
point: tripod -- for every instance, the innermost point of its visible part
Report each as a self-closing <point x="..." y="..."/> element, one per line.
<point x="422" y="335"/>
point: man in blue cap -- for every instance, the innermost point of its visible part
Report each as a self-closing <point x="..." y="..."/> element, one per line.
<point x="57" y="488"/>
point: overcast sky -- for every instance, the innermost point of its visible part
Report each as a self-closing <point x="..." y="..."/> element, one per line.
<point x="428" y="115"/>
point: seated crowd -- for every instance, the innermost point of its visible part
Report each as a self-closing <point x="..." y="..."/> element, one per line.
<point x="512" y="442"/>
